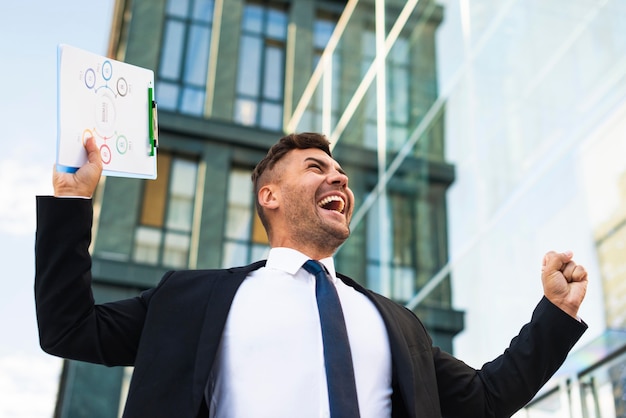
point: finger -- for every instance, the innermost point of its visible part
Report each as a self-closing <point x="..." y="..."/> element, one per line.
<point x="579" y="274"/>
<point x="568" y="270"/>
<point x="554" y="261"/>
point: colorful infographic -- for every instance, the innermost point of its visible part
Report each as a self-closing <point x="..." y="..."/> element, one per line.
<point x="111" y="101"/>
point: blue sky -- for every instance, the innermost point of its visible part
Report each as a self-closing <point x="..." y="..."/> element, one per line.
<point x="31" y="31"/>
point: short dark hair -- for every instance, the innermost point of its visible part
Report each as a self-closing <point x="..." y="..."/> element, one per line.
<point x="285" y="144"/>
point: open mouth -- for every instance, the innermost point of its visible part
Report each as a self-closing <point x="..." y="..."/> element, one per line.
<point x="335" y="203"/>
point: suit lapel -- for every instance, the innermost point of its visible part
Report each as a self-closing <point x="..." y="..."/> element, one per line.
<point x="401" y="357"/>
<point x="223" y="287"/>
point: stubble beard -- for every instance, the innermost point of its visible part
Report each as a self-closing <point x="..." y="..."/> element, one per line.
<point x="312" y="231"/>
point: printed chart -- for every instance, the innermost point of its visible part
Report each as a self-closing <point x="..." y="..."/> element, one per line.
<point x="111" y="101"/>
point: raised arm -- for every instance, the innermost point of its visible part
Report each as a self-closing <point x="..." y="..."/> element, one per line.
<point x="70" y="324"/>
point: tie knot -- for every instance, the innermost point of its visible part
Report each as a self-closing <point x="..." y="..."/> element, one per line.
<point x="314" y="267"/>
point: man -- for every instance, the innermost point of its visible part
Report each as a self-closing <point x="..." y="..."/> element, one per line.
<point x="246" y="342"/>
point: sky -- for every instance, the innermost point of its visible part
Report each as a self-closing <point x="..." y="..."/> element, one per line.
<point x="30" y="33"/>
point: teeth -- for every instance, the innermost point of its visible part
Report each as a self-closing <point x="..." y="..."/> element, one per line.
<point x="322" y="203"/>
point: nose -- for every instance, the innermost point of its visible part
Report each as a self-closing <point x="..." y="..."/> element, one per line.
<point x="338" y="177"/>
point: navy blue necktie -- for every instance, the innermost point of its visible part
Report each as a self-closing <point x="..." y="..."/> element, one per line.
<point x="337" y="357"/>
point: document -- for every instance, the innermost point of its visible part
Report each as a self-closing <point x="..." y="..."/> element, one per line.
<point x="111" y="101"/>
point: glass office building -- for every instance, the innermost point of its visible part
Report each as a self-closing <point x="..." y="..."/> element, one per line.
<point x="534" y="93"/>
<point x="477" y="135"/>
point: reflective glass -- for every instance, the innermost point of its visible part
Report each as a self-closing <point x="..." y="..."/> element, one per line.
<point x="240" y="205"/>
<point x="192" y="101"/>
<point x="171" y="54"/>
<point x="147" y="244"/>
<point x="203" y="10"/>
<point x="234" y="254"/>
<point x="249" y="70"/>
<point x="322" y="29"/>
<point x="176" y="250"/>
<point x="167" y="95"/>
<point x="197" y="57"/>
<point x="276" y="24"/>
<point x="245" y="112"/>
<point x="182" y="191"/>
<point x="271" y="116"/>
<point x="273" y="73"/>
<point x="177" y="7"/>
<point x="253" y="18"/>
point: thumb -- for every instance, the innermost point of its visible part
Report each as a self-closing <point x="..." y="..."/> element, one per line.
<point x="93" y="152"/>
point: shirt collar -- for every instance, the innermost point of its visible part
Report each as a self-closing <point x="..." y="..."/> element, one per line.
<point x="290" y="261"/>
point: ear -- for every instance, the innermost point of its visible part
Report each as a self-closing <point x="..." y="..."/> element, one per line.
<point x="268" y="197"/>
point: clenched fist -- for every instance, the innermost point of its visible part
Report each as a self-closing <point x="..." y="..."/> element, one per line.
<point x="564" y="281"/>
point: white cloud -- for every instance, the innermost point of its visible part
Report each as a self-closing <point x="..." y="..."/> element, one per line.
<point x="20" y="182"/>
<point x="29" y="384"/>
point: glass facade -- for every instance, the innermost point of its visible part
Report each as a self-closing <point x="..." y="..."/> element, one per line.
<point x="261" y="65"/>
<point x="185" y="53"/>
<point x="590" y="384"/>
<point x="245" y="239"/>
<point x="163" y="234"/>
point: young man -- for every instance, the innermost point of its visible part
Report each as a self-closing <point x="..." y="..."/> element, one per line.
<point x="246" y="342"/>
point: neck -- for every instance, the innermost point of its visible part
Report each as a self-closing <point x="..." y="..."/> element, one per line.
<point x="312" y="252"/>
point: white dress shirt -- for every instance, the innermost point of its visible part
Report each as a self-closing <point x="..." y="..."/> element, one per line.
<point x="271" y="363"/>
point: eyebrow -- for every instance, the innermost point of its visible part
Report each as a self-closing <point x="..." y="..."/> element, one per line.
<point x="325" y="164"/>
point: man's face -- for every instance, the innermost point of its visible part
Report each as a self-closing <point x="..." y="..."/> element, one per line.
<point x="315" y="202"/>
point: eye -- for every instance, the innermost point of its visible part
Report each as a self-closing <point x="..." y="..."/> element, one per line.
<point x="315" y="166"/>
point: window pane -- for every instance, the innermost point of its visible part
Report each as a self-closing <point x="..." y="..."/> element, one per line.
<point x="239" y="217"/>
<point x="178" y="7"/>
<point x="398" y="95"/>
<point x="253" y="18"/>
<point x="276" y="24"/>
<point x="176" y="250"/>
<point x="259" y="252"/>
<point x="167" y="95"/>
<point x="397" y="137"/>
<point x="172" y="50"/>
<point x="258" y="231"/>
<point x="197" y="55"/>
<point x="322" y="30"/>
<point x="183" y="177"/>
<point x="203" y="10"/>
<point x="249" y="66"/>
<point x="370" y="138"/>
<point x="192" y="101"/>
<point x="403" y="283"/>
<point x="271" y="116"/>
<point x="147" y="242"/>
<point x="273" y="83"/>
<point x="240" y="187"/>
<point x="182" y="189"/>
<point x="238" y="222"/>
<point x="400" y="51"/>
<point x="155" y="192"/>
<point x="369" y="46"/>
<point x="179" y="214"/>
<point x="234" y="254"/>
<point x="245" y="112"/>
<point x="373" y="277"/>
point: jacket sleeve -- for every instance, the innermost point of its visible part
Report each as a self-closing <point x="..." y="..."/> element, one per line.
<point x="70" y="324"/>
<point x="503" y="386"/>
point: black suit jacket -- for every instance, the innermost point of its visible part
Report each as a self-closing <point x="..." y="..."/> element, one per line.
<point x="171" y="334"/>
